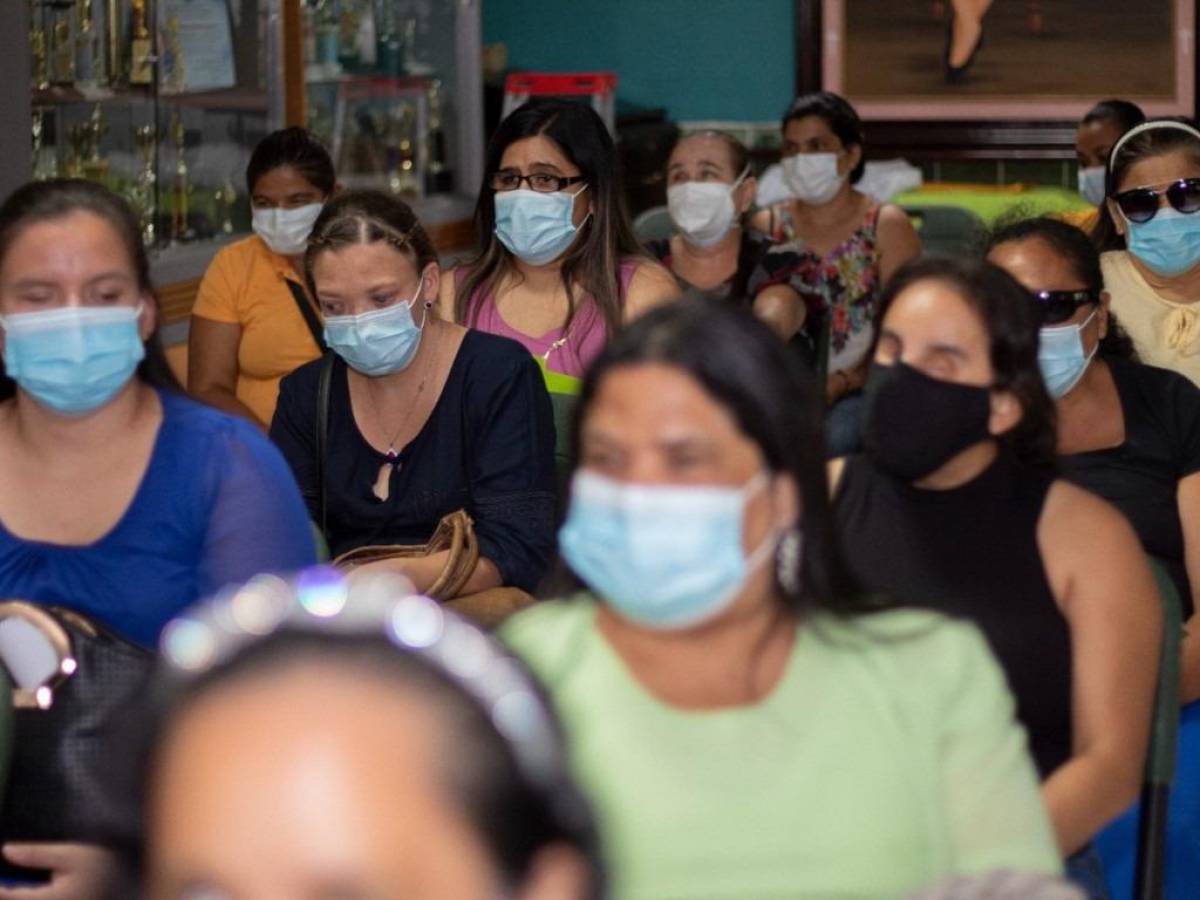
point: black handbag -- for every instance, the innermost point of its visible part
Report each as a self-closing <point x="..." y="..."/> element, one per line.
<point x="75" y="688"/>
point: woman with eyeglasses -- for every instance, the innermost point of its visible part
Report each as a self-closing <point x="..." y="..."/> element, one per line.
<point x="559" y="269"/>
<point x="350" y="740"/>
<point x="421" y="417"/>
<point x="848" y="244"/>
<point x="1149" y="237"/>
<point x="1126" y="431"/>
<point x="745" y="728"/>
<point x="956" y="505"/>
<point x="709" y="191"/>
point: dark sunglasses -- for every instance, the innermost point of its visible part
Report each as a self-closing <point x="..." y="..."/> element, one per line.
<point x="1141" y="204"/>
<point x="1053" y="307"/>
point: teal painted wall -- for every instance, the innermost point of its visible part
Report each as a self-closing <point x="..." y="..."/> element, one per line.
<point x="701" y="59"/>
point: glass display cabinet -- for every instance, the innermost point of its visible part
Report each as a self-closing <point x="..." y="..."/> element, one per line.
<point x="393" y="88"/>
<point x="160" y="100"/>
<point x="164" y="100"/>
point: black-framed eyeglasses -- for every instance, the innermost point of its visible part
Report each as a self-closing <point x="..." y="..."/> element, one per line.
<point x="1054" y="307"/>
<point x="540" y="182"/>
<point x="1140" y="205"/>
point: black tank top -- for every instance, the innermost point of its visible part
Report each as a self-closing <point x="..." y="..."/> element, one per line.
<point x="970" y="552"/>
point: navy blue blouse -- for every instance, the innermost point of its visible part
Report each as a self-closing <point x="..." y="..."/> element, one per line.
<point x="216" y="506"/>
<point x="488" y="447"/>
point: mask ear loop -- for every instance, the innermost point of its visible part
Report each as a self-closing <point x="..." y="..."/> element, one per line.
<point x="426" y="305"/>
<point x="575" y="196"/>
<point x="1095" y="350"/>
<point x="770" y="544"/>
<point x="737" y="216"/>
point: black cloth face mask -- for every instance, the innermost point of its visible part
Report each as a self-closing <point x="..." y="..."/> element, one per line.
<point x="914" y="424"/>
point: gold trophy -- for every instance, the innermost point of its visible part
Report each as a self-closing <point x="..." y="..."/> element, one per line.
<point x="115" y="72"/>
<point x="94" y="165"/>
<point x="181" y="189"/>
<point x="438" y="178"/>
<point x="41" y="61"/>
<point x="44" y="164"/>
<point x="89" y="62"/>
<point x="141" y="50"/>
<point x="62" y="49"/>
<point x="78" y="139"/>
<point x="145" y="183"/>
<point x="225" y="196"/>
<point x="401" y="150"/>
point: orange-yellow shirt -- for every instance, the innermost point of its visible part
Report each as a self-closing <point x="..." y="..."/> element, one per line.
<point x="1083" y="219"/>
<point x="246" y="285"/>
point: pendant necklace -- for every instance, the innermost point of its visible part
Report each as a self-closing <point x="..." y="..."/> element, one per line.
<point x="557" y="345"/>
<point x="383" y="480"/>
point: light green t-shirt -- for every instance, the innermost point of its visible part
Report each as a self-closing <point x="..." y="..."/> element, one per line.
<point x="885" y="759"/>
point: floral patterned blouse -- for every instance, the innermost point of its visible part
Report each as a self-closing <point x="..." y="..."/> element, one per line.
<point x="841" y="287"/>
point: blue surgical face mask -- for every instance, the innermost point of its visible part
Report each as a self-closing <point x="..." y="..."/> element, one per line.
<point x="73" y="359"/>
<point x="1061" y="356"/>
<point x="665" y="557"/>
<point x="1169" y="244"/>
<point x="1091" y="184"/>
<point x="378" y="342"/>
<point x="536" y="227"/>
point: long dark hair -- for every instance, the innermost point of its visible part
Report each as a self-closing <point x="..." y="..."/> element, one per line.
<point x="367" y="217"/>
<point x="838" y="114"/>
<point x="44" y="201"/>
<point x="513" y="814"/>
<point x="1160" y="137"/>
<point x="1006" y="312"/>
<point x="745" y="368"/>
<point x="591" y="268"/>
<point x="1077" y="249"/>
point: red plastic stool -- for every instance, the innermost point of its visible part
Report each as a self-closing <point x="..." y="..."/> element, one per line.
<point x="600" y="86"/>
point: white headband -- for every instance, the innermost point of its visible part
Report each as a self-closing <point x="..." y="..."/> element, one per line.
<point x="1147" y="126"/>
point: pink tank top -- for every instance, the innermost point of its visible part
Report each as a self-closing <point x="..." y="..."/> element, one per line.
<point x="567" y="354"/>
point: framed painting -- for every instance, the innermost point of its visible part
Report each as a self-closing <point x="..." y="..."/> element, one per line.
<point x="1035" y="68"/>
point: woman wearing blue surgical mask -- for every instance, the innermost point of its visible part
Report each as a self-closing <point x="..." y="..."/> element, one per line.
<point x="119" y="497"/>
<point x="709" y="191"/>
<point x="1131" y="434"/>
<point x="423" y="417"/>
<point x="1098" y="132"/>
<point x="1149" y="237"/>
<point x="956" y="505"/>
<point x="1126" y="431"/>
<point x="559" y="269"/>
<point x="848" y="243"/>
<point x="254" y="321"/>
<point x="744" y="729"/>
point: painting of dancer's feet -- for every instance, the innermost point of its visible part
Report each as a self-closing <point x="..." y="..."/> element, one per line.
<point x="1013" y="58"/>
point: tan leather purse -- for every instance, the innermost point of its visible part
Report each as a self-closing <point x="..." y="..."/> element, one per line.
<point x="455" y="534"/>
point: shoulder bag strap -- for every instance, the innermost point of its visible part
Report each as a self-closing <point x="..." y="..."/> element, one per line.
<point x="310" y="315"/>
<point x="324" y="385"/>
